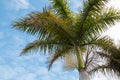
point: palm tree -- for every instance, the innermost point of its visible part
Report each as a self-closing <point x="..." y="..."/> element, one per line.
<point x="61" y="32"/>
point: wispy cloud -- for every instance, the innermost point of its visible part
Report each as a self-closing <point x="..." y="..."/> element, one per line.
<point x="6" y="72"/>
<point x="28" y="76"/>
<point x="1" y="34"/>
<point x="20" y="4"/>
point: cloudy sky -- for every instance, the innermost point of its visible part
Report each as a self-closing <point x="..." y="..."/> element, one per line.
<point x="33" y="66"/>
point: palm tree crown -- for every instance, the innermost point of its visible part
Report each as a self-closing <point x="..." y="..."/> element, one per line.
<point x="64" y="33"/>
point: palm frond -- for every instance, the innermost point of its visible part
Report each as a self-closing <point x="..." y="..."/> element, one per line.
<point x="57" y="54"/>
<point x="45" y="45"/>
<point x="94" y="60"/>
<point x="112" y="68"/>
<point x="42" y="45"/>
<point x="90" y="7"/>
<point x="70" y="62"/>
<point x="96" y="24"/>
<point x="106" y="19"/>
<point x="100" y="68"/>
<point x="113" y="60"/>
<point x="114" y="65"/>
<point x="61" y="8"/>
<point x="44" y="24"/>
<point x="111" y="57"/>
<point x="98" y="41"/>
<point x="87" y="55"/>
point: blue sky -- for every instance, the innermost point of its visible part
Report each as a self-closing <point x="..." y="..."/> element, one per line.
<point x="33" y="66"/>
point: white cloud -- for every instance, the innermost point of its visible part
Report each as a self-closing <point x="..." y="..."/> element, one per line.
<point x="46" y="77"/>
<point x="18" y="39"/>
<point x="17" y="73"/>
<point x="114" y="3"/>
<point x="43" y="71"/>
<point x="28" y="76"/>
<point x="114" y="32"/>
<point x="20" y="4"/>
<point x="6" y="72"/>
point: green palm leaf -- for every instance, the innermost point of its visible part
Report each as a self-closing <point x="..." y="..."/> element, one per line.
<point x="44" y="45"/>
<point x="90" y="7"/>
<point x="61" y="8"/>
<point x="44" y="24"/>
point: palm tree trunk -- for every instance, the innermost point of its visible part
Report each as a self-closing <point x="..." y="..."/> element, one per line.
<point x="83" y="75"/>
<point x="81" y="64"/>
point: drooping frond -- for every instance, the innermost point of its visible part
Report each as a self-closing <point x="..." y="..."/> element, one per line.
<point x="87" y="55"/>
<point x="70" y="62"/>
<point x="44" y="45"/>
<point x="112" y="68"/>
<point x="58" y="53"/>
<point x="113" y="60"/>
<point x="61" y="8"/>
<point x="111" y="57"/>
<point x="98" y="41"/>
<point x="93" y="59"/>
<point x="100" y="68"/>
<point x="103" y="42"/>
